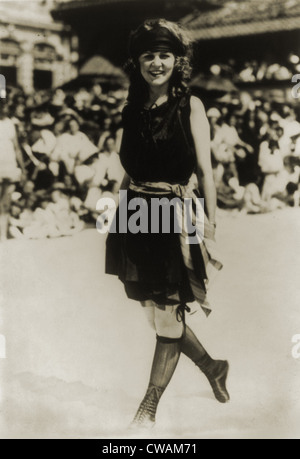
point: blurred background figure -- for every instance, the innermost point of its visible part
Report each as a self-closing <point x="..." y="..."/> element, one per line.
<point x="12" y="168"/>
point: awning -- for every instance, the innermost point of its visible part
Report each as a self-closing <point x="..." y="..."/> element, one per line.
<point x="100" y="66"/>
<point x="249" y="28"/>
<point x="244" y="17"/>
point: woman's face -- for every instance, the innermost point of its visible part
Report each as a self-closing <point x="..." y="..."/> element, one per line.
<point x="15" y="211"/>
<point x="74" y="127"/>
<point x="157" y="67"/>
<point x="3" y="110"/>
<point x="110" y="145"/>
<point x="107" y="123"/>
<point x="59" y="128"/>
<point x="20" y="111"/>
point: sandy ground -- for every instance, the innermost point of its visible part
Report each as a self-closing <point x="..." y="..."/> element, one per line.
<point x="78" y="352"/>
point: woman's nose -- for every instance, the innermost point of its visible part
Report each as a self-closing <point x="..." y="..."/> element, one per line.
<point x="156" y="61"/>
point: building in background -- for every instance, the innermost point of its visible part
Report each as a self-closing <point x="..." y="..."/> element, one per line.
<point x="256" y="43"/>
<point x="103" y="26"/>
<point x="36" y="52"/>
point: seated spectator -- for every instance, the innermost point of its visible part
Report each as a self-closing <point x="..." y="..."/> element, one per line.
<point x="97" y="97"/>
<point x="288" y="192"/>
<point x="22" y="214"/>
<point x="108" y="173"/>
<point x="58" y="98"/>
<point x="250" y="128"/>
<point x="82" y="99"/>
<point x="251" y="199"/>
<point x="15" y="224"/>
<point x="230" y="193"/>
<point x="85" y="148"/>
<point x="110" y="160"/>
<point x="271" y="163"/>
<point x="289" y="121"/>
<point x="73" y="147"/>
<point x="226" y="144"/>
<point x="42" y="176"/>
<point x="231" y="136"/>
<point x="45" y="143"/>
<point x="50" y="216"/>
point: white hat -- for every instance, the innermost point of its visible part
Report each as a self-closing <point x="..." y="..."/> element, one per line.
<point x="293" y="129"/>
<point x="45" y="120"/>
<point x="213" y="113"/>
<point x="83" y="173"/>
<point x="275" y="116"/>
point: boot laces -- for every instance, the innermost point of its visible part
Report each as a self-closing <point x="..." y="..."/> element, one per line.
<point x="147" y="408"/>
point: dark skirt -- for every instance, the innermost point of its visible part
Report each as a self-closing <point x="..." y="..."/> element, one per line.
<point x="150" y="265"/>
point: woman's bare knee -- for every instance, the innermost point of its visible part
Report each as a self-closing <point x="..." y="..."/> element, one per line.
<point x="166" y="323"/>
<point x="149" y="312"/>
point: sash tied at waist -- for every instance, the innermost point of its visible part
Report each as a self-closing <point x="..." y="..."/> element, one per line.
<point x="201" y="259"/>
<point x="162" y="188"/>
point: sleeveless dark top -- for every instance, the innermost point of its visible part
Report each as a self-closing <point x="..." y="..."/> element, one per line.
<point x="157" y="143"/>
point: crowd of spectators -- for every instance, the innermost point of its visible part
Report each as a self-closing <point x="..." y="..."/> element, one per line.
<point x="255" y="70"/>
<point x="70" y="144"/>
<point x="256" y="155"/>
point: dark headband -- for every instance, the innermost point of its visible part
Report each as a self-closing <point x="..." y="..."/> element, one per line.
<point x="156" y="39"/>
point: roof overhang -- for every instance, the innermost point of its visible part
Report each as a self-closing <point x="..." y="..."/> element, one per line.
<point x="248" y="28"/>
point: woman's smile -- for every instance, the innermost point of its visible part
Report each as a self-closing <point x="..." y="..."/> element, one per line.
<point x="156" y="73"/>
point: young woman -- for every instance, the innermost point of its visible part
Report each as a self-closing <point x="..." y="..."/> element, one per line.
<point x="165" y="140"/>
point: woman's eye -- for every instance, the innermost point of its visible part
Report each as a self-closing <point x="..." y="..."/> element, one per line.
<point x="148" y="57"/>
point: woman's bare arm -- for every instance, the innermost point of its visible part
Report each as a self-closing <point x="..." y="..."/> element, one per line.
<point x="201" y="135"/>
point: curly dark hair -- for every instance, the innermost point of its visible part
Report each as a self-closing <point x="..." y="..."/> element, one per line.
<point x="138" y="88"/>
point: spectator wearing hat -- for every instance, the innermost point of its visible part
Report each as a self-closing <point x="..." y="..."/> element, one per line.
<point x="270" y="161"/>
<point x="73" y="147"/>
<point x="108" y="173"/>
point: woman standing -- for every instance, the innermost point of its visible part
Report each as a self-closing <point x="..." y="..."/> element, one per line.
<point x="10" y="157"/>
<point x="166" y="139"/>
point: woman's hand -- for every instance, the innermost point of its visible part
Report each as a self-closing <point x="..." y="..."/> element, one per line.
<point x="210" y="230"/>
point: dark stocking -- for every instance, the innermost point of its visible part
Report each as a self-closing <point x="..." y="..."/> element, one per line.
<point x="165" y="360"/>
<point x="215" y="370"/>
